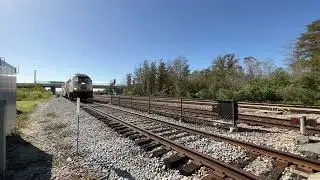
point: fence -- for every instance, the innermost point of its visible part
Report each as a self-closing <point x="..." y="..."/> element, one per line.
<point x="181" y="109"/>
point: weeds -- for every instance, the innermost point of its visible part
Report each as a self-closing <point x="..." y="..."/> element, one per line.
<point x="52" y="115"/>
<point x="27" y="101"/>
<point x="54" y="127"/>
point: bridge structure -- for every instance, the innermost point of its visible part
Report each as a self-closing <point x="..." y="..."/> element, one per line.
<point x="58" y="84"/>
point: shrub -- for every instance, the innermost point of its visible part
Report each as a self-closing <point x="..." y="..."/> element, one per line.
<point x="204" y="94"/>
<point x="297" y="94"/>
<point x="33" y="94"/>
<point x="224" y="94"/>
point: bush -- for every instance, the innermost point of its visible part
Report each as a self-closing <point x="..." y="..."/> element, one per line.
<point x="224" y="94"/>
<point x="204" y="94"/>
<point x="36" y="93"/>
<point x="297" y="94"/>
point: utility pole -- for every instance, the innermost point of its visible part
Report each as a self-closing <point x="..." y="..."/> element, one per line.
<point x="35" y="77"/>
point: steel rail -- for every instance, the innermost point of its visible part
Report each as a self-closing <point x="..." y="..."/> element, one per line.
<point x="245" y="118"/>
<point x="214" y="164"/>
<point x="291" y="158"/>
<point x="291" y="107"/>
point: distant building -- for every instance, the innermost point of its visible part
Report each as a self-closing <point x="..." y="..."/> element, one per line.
<point x="7" y="107"/>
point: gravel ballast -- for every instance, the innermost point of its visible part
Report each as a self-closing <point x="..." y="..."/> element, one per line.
<point x="280" y="139"/>
<point x="219" y="150"/>
<point x="102" y="152"/>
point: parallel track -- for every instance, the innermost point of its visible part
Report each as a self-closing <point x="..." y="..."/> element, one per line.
<point x="203" y="115"/>
<point x="222" y="170"/>
<point x="295" y="108"/>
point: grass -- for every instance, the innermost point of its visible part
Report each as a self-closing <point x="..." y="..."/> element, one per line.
<point x="54" y="127"/>
<point x="27" y="101"/>
<point x="27" y="106"/>
<point x="31" y="94"/>
<point x="52" y="115"/>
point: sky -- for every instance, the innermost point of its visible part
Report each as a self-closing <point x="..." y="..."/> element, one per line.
<point x="107" y="39"/>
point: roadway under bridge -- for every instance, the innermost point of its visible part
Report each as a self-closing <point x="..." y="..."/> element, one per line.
<point x="58" y="84"/>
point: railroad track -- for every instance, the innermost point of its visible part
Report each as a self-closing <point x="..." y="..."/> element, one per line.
<point x="150" y="133"/>
<point x="201" y="115"/>
<point x="263" y="106"/>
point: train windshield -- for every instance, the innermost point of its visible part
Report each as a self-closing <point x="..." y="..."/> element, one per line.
<point x="84" y="80"/>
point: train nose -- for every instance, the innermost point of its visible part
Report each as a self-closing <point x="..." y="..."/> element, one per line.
<point x="83" y="87"/>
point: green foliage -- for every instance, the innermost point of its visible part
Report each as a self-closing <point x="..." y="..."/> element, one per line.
<point x="306" y="54"/>
<point x="297" y="94"/>
<point x="26" y="106"/>
<point x="27" y="101"/>
<point x="36" y="93"/>
<point x="257" y="80"/>
<point x="224" y="94"/>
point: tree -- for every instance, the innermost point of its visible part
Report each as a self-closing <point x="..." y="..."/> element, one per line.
<point x="137" y="88"/>
<point x="252" y="67"/>
<point x="129" y="80"/>
<point x="308" y="47"/>
<point x="225" y="76"/>
<point x="145" y="78"/>
<point x="152" y="78"/>
<point x="179" y="74"/>
<point x="162" y="77"/>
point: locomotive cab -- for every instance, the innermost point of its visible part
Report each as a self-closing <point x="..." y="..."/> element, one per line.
<point x="79" y="85"/>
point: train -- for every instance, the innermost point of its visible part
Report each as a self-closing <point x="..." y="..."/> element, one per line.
<point x="79" y="85"/>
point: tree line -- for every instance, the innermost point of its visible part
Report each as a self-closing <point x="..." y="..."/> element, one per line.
<point x="255" y="79"/>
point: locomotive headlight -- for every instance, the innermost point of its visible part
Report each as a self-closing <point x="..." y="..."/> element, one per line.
<point x="75" y="88"/>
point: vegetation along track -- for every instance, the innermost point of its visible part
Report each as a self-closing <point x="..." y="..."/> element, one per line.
<point x="202" y="115"/>
<point x="150" y="139"/>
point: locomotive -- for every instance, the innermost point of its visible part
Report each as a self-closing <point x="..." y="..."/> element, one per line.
<point x="79" y="85"/>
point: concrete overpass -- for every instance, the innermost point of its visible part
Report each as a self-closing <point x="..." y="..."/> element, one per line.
<point x="58" y="84"/>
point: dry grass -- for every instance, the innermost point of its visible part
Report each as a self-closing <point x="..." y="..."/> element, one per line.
<point x="55" y="127"/>
<point x="52" y="115"/>
<point x="27" y="101"/>
<point x="24" y="109"/>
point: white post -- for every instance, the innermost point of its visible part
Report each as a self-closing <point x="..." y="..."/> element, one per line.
<point x="303" y="125"/>
<point x="78" y="119"/>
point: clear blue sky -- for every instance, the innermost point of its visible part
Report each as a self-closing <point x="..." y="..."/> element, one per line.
<point x="108" y="38"/>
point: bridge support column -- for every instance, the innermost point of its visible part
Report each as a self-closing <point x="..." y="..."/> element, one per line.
<point x="53" y="90"/>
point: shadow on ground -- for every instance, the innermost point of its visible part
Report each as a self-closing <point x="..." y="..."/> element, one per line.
<point x="121" y="173"/>
<point x="25" y="161"/>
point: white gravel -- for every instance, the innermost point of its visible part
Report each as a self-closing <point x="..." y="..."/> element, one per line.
<point x="215" y="149"/>
<point x="218" y="150"/>
<point x="259" y="166"/>
<point x="288" y="174"/>
<point x="102" y="151"/>
<point x="280" y="139"/>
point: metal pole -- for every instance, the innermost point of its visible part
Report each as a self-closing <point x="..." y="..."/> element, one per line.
<point x="78" y="120"/>
<point x="181" y="110"/>
<point x="35" y="77"/>
<point x="233" y="116"/>
<point x="149" y="104"/>
<point x="3" y="139"/>
<point x="303" y="125"/>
